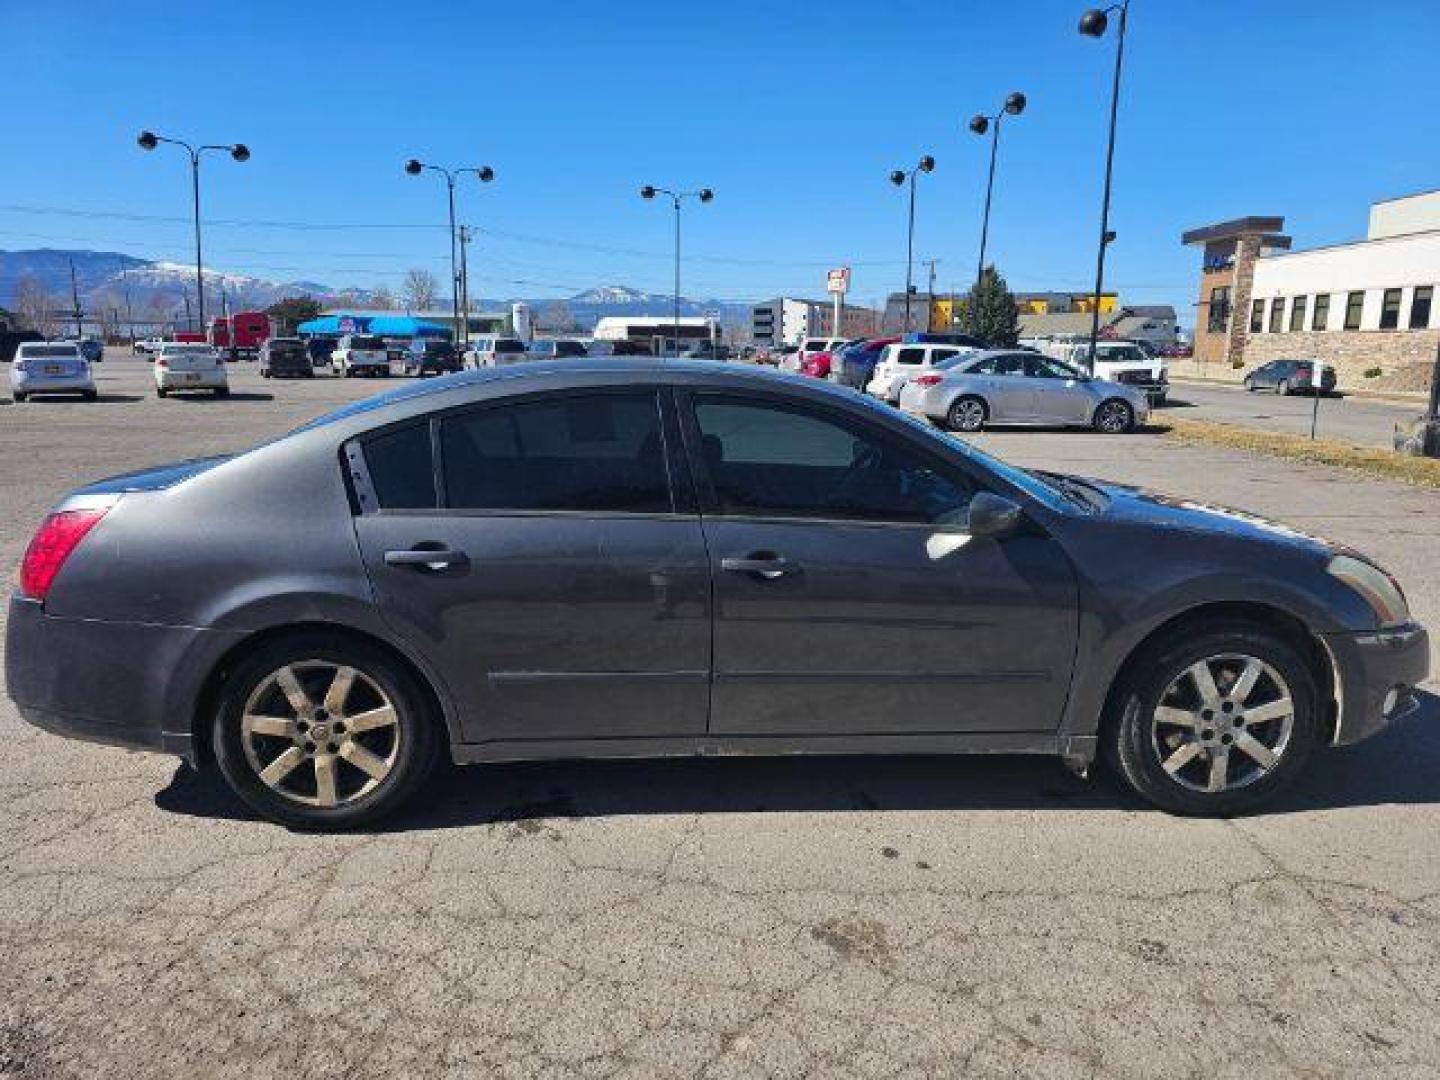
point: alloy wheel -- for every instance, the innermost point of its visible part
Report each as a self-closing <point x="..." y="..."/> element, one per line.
<point x="320" y="733"/>
<point x="1222" y="723"/>
<point x="1114" y="417"/>
<point x="968" y="415"/>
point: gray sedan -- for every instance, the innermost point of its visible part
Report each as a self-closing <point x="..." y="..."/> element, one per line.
<point x="626" y="558"/>
<point x="1001" y="387"/>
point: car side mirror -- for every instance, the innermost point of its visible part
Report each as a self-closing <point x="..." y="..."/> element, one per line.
<point x="993" y="516"/>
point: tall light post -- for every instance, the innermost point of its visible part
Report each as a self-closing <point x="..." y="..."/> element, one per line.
<point x="1093" y="24"/>
<point x="899" y="177"/>
<point x="979" y="124"/>
<point x="676" y="197"/>
<point x="484" y="174"/>
<point x="148" y="140"/>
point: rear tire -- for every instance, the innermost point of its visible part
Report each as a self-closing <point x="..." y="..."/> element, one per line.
<point x="281" y="770"/>
<point x="222" y="391"/>
<point x="1173" y="764"/>
<point x="21" y="397"/>
<point x="968" y="413"/>
<point x="91" y="395"/>
<point x="161" y="392"/>
<point x="1283" y="389"/>
<point x="1249" y="386"/>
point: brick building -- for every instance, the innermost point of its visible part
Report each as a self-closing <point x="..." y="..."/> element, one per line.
<point x="1366" y="306"/>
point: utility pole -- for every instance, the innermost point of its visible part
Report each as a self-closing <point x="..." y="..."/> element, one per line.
<point x="930" y="297"/>
<point x="129" y="313"/>
<point x="75" y="298"/>
<point x="186" y="293"/>
<point x="466" y="235"/>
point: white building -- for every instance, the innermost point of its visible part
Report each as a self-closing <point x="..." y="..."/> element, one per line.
<point x="1367" y="306"/>
<point x="646" y="327"/>
<point x="788" y="320"/>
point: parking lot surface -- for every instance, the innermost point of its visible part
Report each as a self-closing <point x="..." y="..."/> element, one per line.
<point x="1346" y="418"/>
<point x="884" y="917"/>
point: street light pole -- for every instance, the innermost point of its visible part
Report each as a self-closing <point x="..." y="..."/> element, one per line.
<point x="898" y="177"/>
<point x="1093" y="24"/>
<point x="484" y="174"/>
<point x="704" y="195"/>
<point x="1014" y="106"/>
<point x="148" y="140"/>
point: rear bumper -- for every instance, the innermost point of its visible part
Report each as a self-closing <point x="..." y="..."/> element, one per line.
<point x="124" y="684"/>
<point x="53" y="384"/>
<point x="204" y="380"/>
<point x="1378" y="673"/>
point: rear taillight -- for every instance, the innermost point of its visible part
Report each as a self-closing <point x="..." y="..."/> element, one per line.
<point x="927" y="380"/>
<point x="52" y="544"/>
<point x="160" y="361"/>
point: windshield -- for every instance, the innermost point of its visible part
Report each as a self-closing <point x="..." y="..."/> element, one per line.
<point x="1127" y="354"/>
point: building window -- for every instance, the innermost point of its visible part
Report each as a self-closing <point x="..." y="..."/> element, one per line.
<point x="1297" y="314"/>
<point x="1219" y="309"/>
<point x="1321" y="315"/>
<point x="1277" y="315"/>
<point x="1257" y="316"/>
<point x="1420" y="307"/>
<point x="1354" y="306"/>
<point x="1390" y="310"/>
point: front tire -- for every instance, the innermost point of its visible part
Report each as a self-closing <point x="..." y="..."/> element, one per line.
<point x="1114" y="417"/>
<point x="1284" y="388"/>
<point x="161" y="392"/>
<point x="1215" y="721"/>
<point x="20" y="397"/>
<point x="317" y="732"/>
<point x="967" y="414"/>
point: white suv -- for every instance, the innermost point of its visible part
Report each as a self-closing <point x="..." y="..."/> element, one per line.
<point x="900" y="363"/>
<point x="361" y="354"/>
<point x="186" y="366"/>
<point x="495" y="350"/>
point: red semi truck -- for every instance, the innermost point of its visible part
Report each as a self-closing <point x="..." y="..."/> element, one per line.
<point x="241" y="334"/>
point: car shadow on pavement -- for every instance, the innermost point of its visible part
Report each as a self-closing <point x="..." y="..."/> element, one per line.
<point x="1399" y="766"/>
<point x="234" y="395"/>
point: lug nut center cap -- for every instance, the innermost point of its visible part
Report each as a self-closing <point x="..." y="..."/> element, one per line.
<point x="319" y="732"/>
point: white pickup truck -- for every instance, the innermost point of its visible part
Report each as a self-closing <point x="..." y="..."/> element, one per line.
<point x="360" y="354"/>
<point x="1122" y="362"/>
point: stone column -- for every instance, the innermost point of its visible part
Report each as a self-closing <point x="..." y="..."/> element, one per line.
<point x="1247" y="250"/>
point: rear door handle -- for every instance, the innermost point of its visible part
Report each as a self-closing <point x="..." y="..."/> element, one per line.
<point x="434" y="559"/>
<point x="768" y="567"/>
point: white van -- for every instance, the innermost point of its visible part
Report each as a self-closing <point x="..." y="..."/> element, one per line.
<point x="900" y="363"/>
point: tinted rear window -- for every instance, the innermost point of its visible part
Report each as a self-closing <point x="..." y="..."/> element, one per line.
<point x="401" y="468"/>
<point x="367" y="343"/>
<point x="587" y="452"/>
<point x="51" y="352"/>
<point x="506" y="344"/>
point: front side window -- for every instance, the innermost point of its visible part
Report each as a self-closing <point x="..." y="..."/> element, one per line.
<point x="1277" y="314"/>
<point x="1390" y="309"/>
<point x="909" y="356"/>
<point x="1297" y="313"/>
<point x="1354" y="308"/>
<point x="1257" y="316"/>
<point x="781" y="460"/>
<point x="1320" y="317"/>
<point x="582" y="452"/>
<point x="1420" y="307"/>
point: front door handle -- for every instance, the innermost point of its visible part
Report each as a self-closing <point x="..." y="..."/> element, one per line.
<point x="428" y="558"/>
<point x="765" y="565"/>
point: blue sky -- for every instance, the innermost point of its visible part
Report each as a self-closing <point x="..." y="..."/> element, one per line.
<point x="793" y="113"/>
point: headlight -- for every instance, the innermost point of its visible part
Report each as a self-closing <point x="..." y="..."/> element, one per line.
<point x="1378" y="588"/>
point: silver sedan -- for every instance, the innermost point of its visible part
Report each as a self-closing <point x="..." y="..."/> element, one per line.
<point x="1001" y="387"/>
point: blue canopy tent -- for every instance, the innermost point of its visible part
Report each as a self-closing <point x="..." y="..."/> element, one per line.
<point x="334" y="325"/>
<point x="406" y="326"/>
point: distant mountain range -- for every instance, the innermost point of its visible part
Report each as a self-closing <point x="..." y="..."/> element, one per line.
<point x="105" y="280"/>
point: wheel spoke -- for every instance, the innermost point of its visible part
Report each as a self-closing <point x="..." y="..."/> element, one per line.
<point x="1205" y="683"/>
<point x="268" y="725"/>
<point x="1273" y="710"/>
<point x="339" y="691"/>
<point x="1168" y="714"/>
<point x="1180" y="758"/>
<point x="1246" y="682"/>
<point x="1263" y="755"/>
<point x="293" y="691"/>
<point x="1219" y="769"/>
<point x="325" y="779"/>
<point x="364" y="760"/>
<point x="369" y="721"/>
<point x="282" y="766"/>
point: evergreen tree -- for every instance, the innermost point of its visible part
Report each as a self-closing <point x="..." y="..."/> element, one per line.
<point x="990" y="312"/>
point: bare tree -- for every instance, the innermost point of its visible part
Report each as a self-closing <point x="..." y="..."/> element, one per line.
<point x="558" y="318"/>
<point x="419" y="290"/>
<point x="383" y="299"/>
<point x="36" y="305"/>
<point x="107" y="308"/>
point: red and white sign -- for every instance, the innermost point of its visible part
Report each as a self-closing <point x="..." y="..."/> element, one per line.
<point x="838" y="281"/>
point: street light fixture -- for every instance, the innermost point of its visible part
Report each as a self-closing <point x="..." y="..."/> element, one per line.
<point x="980" y="124"/>
<point x="704" y="195"/>
<point x="1094" y="24"/>
<point x="483" y="173"/>
<point x="148" y="140"/>
<point x="898" y="177"/>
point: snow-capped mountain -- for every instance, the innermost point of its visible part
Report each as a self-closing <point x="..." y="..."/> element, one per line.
<point x="615" y="294"/>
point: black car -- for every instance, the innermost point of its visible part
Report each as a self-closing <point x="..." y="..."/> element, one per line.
<point x="1290" y="377"/>
<point x="621" y="558"/>
<point x="431" y="357"/>
<point x="284" y="357"/>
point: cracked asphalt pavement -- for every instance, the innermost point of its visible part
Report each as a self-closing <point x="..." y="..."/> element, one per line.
<point x="886" y="917"/>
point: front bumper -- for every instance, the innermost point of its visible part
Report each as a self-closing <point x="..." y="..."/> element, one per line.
<point x="1377" y="672"/>
<point x="124" y="684"/>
